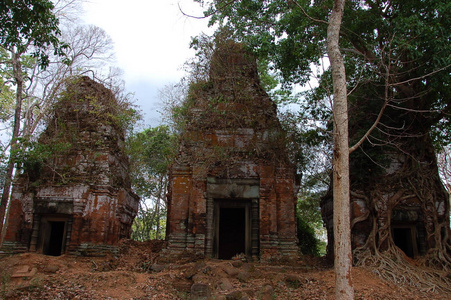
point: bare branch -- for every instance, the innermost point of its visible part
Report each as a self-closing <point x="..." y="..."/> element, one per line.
<point x="421" y="77"/>
<point x="206" y="16"/>
<point x="365" y="136"/>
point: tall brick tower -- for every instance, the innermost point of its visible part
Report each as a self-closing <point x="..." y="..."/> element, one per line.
<point x="232" y="189"/>
<point x="77" y="198"/>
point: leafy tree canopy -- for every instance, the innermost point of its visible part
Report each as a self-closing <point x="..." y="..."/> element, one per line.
<point x="28" y="23"/>
<point x="6" y="93"/>
<point x="394" y="50"/>
<point x="151" y="152"/>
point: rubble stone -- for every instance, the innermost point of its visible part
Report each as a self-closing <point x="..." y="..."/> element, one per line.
<point x="200" y="291"/>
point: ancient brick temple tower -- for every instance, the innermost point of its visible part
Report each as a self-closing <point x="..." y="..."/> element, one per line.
<point x="77" y="199"/>
<point x="232" y="189"/>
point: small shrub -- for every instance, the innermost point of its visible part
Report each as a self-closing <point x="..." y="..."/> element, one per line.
<point x="308" y="242"/>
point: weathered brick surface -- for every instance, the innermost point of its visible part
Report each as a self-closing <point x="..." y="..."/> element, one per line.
<point x="86" y="184"/>
<point x="385" y="203"/>
<point x="232" y="150"/>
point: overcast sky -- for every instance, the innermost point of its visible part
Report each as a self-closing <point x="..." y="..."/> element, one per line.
<point x="151" y="40"/>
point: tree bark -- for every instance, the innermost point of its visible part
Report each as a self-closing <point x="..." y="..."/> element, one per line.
<point x="18" y="78"/>
<point x="341" y="195"/>
<point x="157" y="206"/>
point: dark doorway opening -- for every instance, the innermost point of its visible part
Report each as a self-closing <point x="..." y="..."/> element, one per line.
<point x="52" y="235"/>
<point x="233" y="228"/>
<point x="55" y="245"/>
<point x="232" y="232"/>
<point x="404" y="238"/>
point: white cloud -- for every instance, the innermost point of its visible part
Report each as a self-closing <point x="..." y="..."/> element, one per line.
<point x="151" y="40"/>
<point x="151" y="37"/>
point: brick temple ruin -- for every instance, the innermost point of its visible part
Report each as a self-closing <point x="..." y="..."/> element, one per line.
<point x="232" y="188"/>
<point x="392" y="210"/>
<point x="79" y="199"/>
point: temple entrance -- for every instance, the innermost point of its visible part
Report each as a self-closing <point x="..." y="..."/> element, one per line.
<point x="404" y="237"/>
<point x="53" y="235"/>
<point x="233" y="218"/>
<point x="232" y="229"/>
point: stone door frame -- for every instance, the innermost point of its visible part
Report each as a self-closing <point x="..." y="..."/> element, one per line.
<point x="412" y="236"/>
<point x="233" y="193"/>
<point x="41" y="231"/>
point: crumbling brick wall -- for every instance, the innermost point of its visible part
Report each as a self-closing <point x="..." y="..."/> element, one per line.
<point x="232" y="154"/>
<point x="399" y="206"/>
<point x="82" y="185"/>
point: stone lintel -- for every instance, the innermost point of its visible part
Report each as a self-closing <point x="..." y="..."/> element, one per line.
<point x="233" y="188"/>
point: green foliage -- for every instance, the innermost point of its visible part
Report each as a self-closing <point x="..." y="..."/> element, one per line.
<point x="199" y="67"/>
<point x="151" y="152"/>
<point x="308" y="243"/>
<point x="7" y="95"/>
<point x="30" y="156"/>
<point x="310" y="147"/>
<point x="394" y="50"/>
<point x="308" y="208"/>
<point x="268" y="80"/>
<point x="311" y="231"/>
<point x="276" y="31"/>
<point x="144" y="226"/>
<point x="103" y="105"/>
<point x="30" y="23"/>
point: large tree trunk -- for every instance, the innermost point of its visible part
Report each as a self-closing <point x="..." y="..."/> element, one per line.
<point x="342" y="242"/>
<point x="18" y="77"/>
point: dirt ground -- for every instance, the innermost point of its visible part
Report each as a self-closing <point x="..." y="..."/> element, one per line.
<point x="138" y="273"/>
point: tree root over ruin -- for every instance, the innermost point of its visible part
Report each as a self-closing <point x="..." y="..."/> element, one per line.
<point x="416" y="187"/>
<point x="394" y="266"/>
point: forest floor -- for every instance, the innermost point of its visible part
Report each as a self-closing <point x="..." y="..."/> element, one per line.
<point x="137" y="274"/>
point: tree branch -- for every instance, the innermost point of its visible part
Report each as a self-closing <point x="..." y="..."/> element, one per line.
<point x="307" y="15"/>
<point x="206" y="16"/>
<point x="376" y="122"/>
<point x="421" y="77"/>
